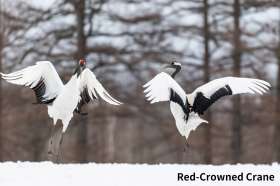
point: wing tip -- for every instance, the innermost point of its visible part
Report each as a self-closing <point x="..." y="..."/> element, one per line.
<point x="113" y="100"/>
<point x="118" y="103"/>
<point x="263" y="86"/>
<point x="146" y="85"/>
<point x="3" y="74"/>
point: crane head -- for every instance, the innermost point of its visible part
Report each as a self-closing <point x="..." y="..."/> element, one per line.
<point x="82" y="62"/>
<point x="174" y="65"/>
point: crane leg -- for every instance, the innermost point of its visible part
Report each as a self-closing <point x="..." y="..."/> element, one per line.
<point x="55" y="142"/>
<point x="59" y="155"/>
<point x="187" y="145"/>
<point x="51" y="141"/>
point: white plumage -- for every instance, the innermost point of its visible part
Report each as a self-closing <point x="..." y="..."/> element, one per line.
<point x="238" y="86"/>
<point x="88" y="80"/>
<point x="62" y="100"/>
<point x="31" y="76"/>
<point x="186" y="108"/>
<point x="158" y="88"/>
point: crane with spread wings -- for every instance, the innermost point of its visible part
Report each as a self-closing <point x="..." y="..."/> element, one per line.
<point x="187" y="108"/>
<point x="61" y="100"/>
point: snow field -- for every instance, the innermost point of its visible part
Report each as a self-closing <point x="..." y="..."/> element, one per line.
<point x="47" y="173"/>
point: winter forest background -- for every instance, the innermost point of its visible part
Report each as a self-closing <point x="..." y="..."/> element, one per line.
<point x="125" y="43"/>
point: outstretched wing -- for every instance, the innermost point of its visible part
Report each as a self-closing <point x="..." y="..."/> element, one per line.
<point x="42" y="78"/>
<point x="90" y="87"/>
<point x="205" y="95"/>
<point x="161" y="88"/>
<point x="164" y="88"/>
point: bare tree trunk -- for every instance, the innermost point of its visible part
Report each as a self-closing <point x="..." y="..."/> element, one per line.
<point x="1" y="149"/>
<point x="1" y="49"/>
<point x="237" y="120"/>
<point x="81" y="53"/>
<point x="111" y="128"/>
<point x="81" y="39"/>
<point x="276" y="139"/>
<point x="206" y="68"/>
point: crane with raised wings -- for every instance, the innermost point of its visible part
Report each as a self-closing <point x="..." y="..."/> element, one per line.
<point x="187" y="108"/>
<point x="61" y="100"/>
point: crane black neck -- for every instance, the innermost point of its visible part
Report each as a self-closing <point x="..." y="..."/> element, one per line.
<point x="177" y="70"/>
<point x="79" y="70"/>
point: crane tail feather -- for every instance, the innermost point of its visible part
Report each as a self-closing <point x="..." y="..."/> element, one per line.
<point x="193" y="122"/>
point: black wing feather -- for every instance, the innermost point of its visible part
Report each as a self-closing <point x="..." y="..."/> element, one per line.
<point x="40" y="90"/>
<point x="85" y="98"/>
<point x="201" y="103"/>
<point x="174" y="97"/>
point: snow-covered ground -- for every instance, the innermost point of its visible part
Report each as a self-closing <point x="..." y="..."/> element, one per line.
<point x="49" y="174"/>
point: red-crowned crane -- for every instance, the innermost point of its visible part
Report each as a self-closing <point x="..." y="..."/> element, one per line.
<point x="186" y="108"/>
<point x="61" y="100"/>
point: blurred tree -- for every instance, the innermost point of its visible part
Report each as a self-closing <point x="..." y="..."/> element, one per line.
<point x="79" y="6"/>
<point x="237" y="116"/>
<point x="276" y="135"/>
<point x="206" y="79"/>
<point x="1" y="48"/>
